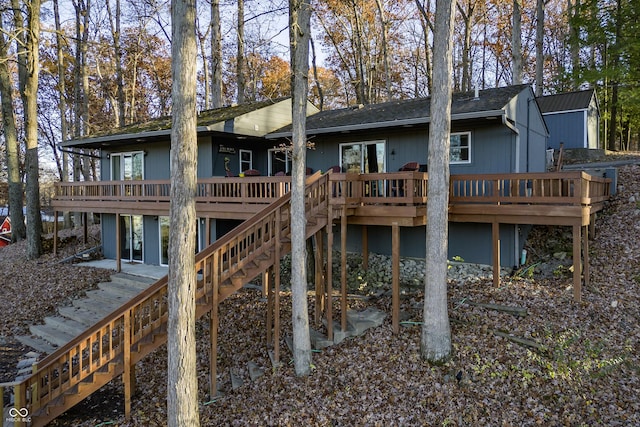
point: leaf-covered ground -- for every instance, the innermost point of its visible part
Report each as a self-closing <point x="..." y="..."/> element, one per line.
<point x="576" y="363"/>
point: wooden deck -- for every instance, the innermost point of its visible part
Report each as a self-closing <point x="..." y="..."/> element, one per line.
<point x="386" y="199"/>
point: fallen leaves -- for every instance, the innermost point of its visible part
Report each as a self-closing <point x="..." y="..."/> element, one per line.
<point x="589" y="373"/>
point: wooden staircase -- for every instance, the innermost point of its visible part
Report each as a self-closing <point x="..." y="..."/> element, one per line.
<point x="114" y="345"/>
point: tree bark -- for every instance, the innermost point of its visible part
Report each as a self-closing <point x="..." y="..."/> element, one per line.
<point x="62" y="102"/>
<point x="539" y="46"/>
<point x="30" y="106"/>
<point x="115" y="35"/>
<point x="516" y="42"/>
<point x="299" y="31"/>
<point x="182" y="387"/>
<point x="435" y="343"/>
<point x="16" y="190"/>
<point x="240" y="60"/>
<point x="216" y="55"/>
<point x="385" y="55"/>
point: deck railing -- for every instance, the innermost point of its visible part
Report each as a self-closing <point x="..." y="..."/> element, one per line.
<point x="559" y="188"/>
<point x="393" y="188"/>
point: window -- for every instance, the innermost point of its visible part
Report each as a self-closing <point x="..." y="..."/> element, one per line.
<point x="246" y="160"/>
<point x="127" y="166"/>
<point x="363" y="157"/>
<point x="460" y="149"/>
<point x="279" y="161"/>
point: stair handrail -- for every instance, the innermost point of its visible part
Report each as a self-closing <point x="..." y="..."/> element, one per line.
<point x="71" y="359"/>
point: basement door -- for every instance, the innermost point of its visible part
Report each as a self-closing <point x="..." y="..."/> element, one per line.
<point x="131" y="238"/>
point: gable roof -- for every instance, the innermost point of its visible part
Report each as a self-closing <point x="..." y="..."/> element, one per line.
<point x="249" y="119"/>
<point x="569" y="101"/>
<point x="464" y="105"/>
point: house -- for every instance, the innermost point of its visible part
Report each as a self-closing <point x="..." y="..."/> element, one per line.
<point x="230" y="142"/>
<point x="573" y="119"/>
<point x="494" y="131"/>
<point x="497" y="188"/>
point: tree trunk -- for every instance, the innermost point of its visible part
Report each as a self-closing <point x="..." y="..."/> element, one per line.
<point x="182" y="382"/>
<point x="435" y="343"/>
<point x="539" y="46"/>
<point x="299" y="31"/>
<point x="30" y="106"/>
<point x="240" y="60"/>
<point x="427" y="26"/>
<point x="18" y="230"/>
<point x="62" y="102"/>
<point x="216" y="55"/>
<point x="516" y="43"/>
<point x="466" y="45"/>
<point x="385" y="55"/>
<point x="115" y="34"/>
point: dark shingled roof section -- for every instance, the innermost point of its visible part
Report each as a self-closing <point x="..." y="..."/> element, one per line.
<point x="205" y="118"/>
<point x="406" y="109"/>
<point x="569" y="101"/>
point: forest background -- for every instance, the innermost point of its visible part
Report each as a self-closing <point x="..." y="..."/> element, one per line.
<point x="107" y="63"/>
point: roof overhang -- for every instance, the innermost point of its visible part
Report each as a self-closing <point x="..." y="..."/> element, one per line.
<point x="392" y="123"/>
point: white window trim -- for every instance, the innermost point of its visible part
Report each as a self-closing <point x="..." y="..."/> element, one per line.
<point x="464" y="162"/>
<point x="240" y="161"/>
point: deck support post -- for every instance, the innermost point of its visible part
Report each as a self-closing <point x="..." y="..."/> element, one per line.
<point x="585" y="255"/>
<point x="118" y="245"/>
<point x="127" y="375"/>
<point x="319" y="261"/>
<point x="18" y="402"/>
<point x="276" y="290"/>
<point x="577" y="280"/>
<point x="343" y="272"/>
<point x="365" y="248"/>
<point x="395" y="267"/>
<point x="268" y="288"/>
<point x="207" y="231"/>
<point x="55" y="238"/>
<point x="495" y="237"/>
<point x="85" y="228"/>
<point x="329" y="282"/>
<point x="213" y="329"/>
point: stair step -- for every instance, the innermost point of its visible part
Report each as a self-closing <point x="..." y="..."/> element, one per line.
<point x="81" y="315"/>
<point x="65" y="324"/>
<point x="36" y="343"/>
<point x="112" y="297"/>
<point x="53" y="335"/>
<point x="131" y="280"/>
<point x="100" y="310"/>
<point x="122" y="288"/>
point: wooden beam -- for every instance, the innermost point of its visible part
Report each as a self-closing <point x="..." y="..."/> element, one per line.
<point x="276" y="289"/>
<point x="365" y="247"/>
<point x="577" y="281"/>
<point x="118" y="245"/>
<point x="329" y="292"/>
<point x="269" y="321"/>
<point x="343" y="272"/>
<point x="207" y="231"/>
<point x="55" y="239"/>
<point x="395" y="267"/>
<point x="585" y="255"/>
<point x="127" y="374"/>
<point x="319" y="285"/>
<point x="214" y="322"/>
<point x="85" y="228"/>
<point x="495" y="237"/>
